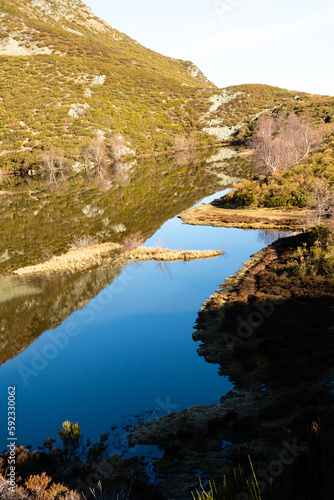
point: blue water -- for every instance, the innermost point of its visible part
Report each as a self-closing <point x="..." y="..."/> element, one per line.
<point x="131" y="347"/>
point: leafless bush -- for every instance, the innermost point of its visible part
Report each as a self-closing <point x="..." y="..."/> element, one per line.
<point x="117" y="147"/>
<point x="53" y="162"/>
<point x="181" y="143"/>
<point x="48" y="165"/>
<point x="133" y="241"/>
<point x="121" y="173"/>
<point x="185" y="157"/>
<point x="321" y="201"/>
<point x="82" y="241"/>
<point x="47" y="253"/>
<point x="280" y="144"/>
<point x="97" y="154"/>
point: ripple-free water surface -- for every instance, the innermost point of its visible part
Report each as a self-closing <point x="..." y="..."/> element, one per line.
<point x="131" y="347"/>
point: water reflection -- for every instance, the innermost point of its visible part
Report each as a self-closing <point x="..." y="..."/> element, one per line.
<point x="31" y="305"/>
<point x="133" y="345"/>
<point x="269" y="237"/>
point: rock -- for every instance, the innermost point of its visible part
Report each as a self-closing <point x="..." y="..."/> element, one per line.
<point x="99" y="80"/>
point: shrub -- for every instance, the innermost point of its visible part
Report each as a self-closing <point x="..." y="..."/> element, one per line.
<point x="71" y="438"/>
<point x="82" y="241"/>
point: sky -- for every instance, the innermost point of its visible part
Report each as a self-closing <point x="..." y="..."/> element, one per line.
<point x="286" y="43"/>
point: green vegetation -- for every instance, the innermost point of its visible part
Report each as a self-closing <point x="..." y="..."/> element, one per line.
<point x="315" y="257"/>
<point x="287" y="188"/>
<point x="102" y="80"/>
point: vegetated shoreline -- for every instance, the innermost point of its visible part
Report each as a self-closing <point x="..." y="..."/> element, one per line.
<point x="246" y="218"/>
<point x="260" y="327"/>
<point x="82" y="259"/>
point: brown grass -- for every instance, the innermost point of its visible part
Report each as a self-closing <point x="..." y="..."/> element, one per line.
<point x="166" y="255"/>
<point x="75" y="260"/>
<point x="81" y="259"/>
<point x="246" y="218"/>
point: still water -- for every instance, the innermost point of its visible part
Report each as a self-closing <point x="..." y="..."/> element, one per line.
<point x="130" y="348"/>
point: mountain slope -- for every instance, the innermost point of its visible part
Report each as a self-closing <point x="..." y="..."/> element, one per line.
<point x="79" y="76"/>
<point x="67" y="76"/>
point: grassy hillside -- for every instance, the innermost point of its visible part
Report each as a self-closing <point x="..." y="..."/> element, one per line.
<point x="63" y="58"/>
<point x="66" y="75"/>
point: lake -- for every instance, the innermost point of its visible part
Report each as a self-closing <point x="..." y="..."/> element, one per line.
<point x="130" y="348"/>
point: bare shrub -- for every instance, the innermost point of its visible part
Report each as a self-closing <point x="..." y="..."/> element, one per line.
<point x="82" y="241"/>
<point x="182" y="158"/>
<point x="117" y="147"/>
<point x="280" y="144"/>
<point x="181" y="143"/>
<point x="133" y="241"/>
<point x="53" y="161"/>
<point x="48" y="165"/>
<point x="47" y="253"/>
<point x="87" y="157"/>
<point x="321" y="201"/>
<point x="121" y="173"/>
<point x="97" y="153"/>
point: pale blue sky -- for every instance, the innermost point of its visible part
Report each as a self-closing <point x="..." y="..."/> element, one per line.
<point x="289" y="43"/>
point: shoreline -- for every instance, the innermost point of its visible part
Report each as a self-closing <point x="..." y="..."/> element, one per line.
<point x="261" y="333"/>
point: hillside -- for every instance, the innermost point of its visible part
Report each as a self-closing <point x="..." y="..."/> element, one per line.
<point x="80" y="77"/>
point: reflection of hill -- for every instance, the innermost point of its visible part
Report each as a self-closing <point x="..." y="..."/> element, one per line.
<point x="46" y="221"/>
<point x="29" y="307"/>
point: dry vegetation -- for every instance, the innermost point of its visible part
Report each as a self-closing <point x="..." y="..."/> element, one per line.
<point x="166" y="255"/>
<point x="246" y="218"/>
<point x="81" y="258"/>
<point x="76" y="260"/>
<point x="279" y="144"/>
<point x="37" y="487"/>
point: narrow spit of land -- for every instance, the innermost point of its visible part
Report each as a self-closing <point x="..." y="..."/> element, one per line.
<point x="82" y="259"/>
<point x="245" y="218"/>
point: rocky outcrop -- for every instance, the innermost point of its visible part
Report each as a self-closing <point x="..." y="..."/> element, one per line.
<point x="222" y="133"/>
<point x="21" y="46"/>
